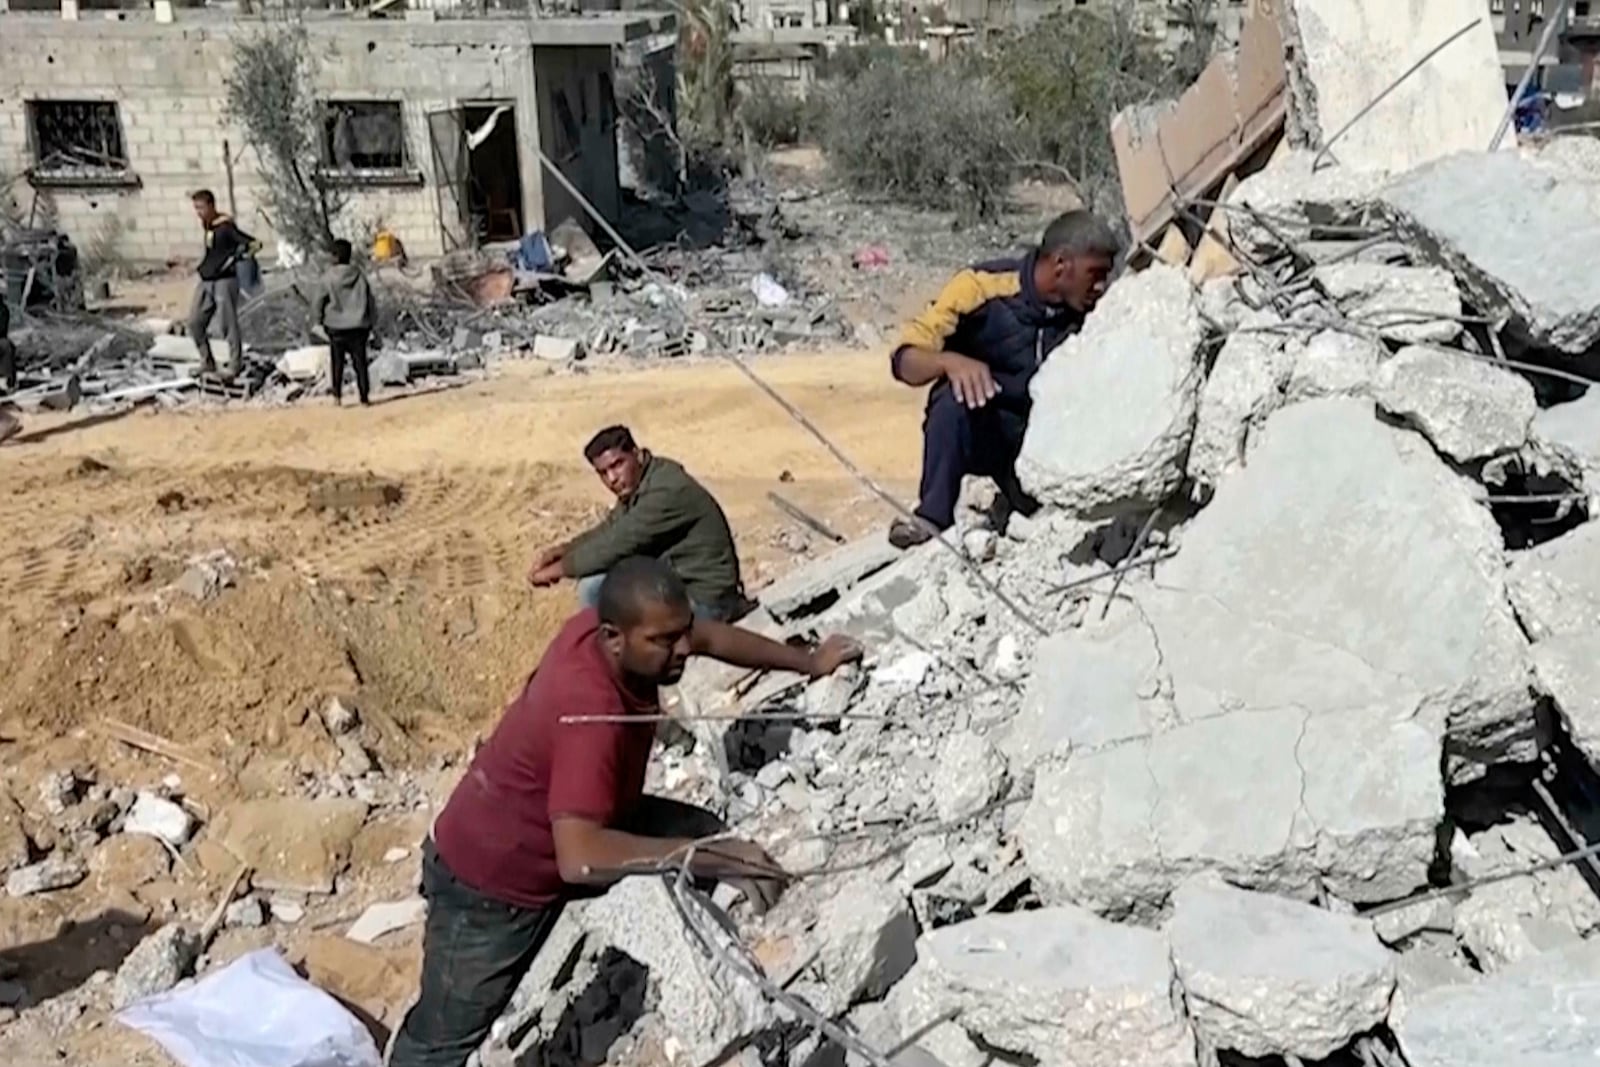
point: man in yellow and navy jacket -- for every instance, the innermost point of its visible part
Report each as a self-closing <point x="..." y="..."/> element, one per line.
<point x="979" y="345"/>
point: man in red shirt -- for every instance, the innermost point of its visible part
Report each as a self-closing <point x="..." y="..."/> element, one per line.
<point x="549" y="808"/>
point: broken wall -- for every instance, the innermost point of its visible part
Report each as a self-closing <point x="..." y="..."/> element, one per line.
<point x="578" y="129"/>
<point x="168" y="84"/>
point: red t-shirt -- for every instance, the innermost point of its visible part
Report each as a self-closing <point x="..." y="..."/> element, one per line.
<point x="494" y="833"/>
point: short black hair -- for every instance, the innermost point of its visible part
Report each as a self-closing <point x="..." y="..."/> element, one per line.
<point x="632" y="583"/>
<point x="204" y="196"/>
<point x="1080" y="233"/>
<point x="342" y="251"/>
<point x="607" y="439"/>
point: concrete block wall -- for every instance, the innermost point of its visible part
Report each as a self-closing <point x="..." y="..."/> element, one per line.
<point x="168" y="83"/>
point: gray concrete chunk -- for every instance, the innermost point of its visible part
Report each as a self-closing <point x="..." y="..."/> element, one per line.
<point x="1572" y="432"/>
<point x="825" y="577"/>
<point x="1466" y="407"/>
<point x="702" y="1003"/>
<point x="1114" y="407"/>
<point x="1541" y="1012"/>
<point x="1556" y="586"/>
<point x="1267" y="976"/>
<point x="1568" y="668"/>
<point x="969" y="775"/>
<point x="868" y="941"/>
<point x="1245" y="385"/>
<point x="1498" y="245"/>
<point x="1406" y="304"/>
<point x="1347" y="59"/>
<point x="51" y="873"/>
<point x="1334" y="363"/>
<point x="1056" y="984"/>
<point x="1292" y="197"/>
<point x="155" y="965"/>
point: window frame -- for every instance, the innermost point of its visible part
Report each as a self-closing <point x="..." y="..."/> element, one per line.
<point x="329" y="173"/>
<point x="41" y="175"/>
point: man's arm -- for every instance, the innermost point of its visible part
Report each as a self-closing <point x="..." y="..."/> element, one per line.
<point x="626" y="532"/>
<point x="745" y="648"/>
<point x="920" y="357"/>
<point x="590" y="853"/>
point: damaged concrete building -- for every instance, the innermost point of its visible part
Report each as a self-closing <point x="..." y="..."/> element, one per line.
<point x="435" y="128"/>
<point x="1270" y="739"/>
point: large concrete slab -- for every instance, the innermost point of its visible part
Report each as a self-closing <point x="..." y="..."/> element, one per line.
<point x="1556" y="586"/>
<point x="1272" y="601"/>
<point x="1498" y="246"/>
<point x="1266" y="976"/>
<point x="1343" y="55"/>
<point x="1056" y="984"/>
<point x="1568" y="667"/>
<point x="1351" y="800"/>
<point x="1572" y="430"/>
<point x="1293" y="197"/>
<point x="1468" y="408"/>
<point x="1114" y="407"/>
<point x="1541" y="1012"/>
<point x="824" y="578"/>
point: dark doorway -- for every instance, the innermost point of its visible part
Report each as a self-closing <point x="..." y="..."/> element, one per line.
<point x="494" y="176"/>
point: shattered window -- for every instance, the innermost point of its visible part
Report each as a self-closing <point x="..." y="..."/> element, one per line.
<point x="77" y="138"/>
<point x="363" y="135"/>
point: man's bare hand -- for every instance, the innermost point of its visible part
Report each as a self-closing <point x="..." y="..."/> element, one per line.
<point x="835" y="651"/>
<point x="545" y="574"/>
<point x="970" y="379"/>
<point x="548" y="556"/>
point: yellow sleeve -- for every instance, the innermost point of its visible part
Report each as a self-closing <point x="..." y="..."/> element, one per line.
<point x="962" y="295"/>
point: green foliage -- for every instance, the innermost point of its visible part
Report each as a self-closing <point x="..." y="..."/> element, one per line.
<point x="928" y="133"/>
<point x="269" y="96"/>
<point x="1066" y="77"/>
<point x="772" y="115"/>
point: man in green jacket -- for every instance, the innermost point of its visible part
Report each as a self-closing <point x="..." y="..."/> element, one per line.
<point x="662" y="512"/>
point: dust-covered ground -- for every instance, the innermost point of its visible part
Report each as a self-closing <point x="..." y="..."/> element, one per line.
<point x="380" y="557"/>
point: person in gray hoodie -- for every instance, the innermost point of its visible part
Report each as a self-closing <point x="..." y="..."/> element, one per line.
<point x="345" y="310"/>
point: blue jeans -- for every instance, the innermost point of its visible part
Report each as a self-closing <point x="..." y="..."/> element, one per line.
<point x="589" y="597"/>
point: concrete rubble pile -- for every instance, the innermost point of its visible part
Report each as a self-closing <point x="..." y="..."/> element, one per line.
<point x="1185" y="823"/>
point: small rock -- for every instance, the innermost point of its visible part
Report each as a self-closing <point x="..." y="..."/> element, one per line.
<point x="980" y="545"/>
<point x="970" y="774"/>
<point x="926" y="861"/>
<point x="354" y="760"/>
<point x="396" y="855"/>
<point x="774" y="774"/>
<point x="57" y="872"/>
<point x="286" y="909"/>
<point x="340" y="717"/>
<point x="869" y="939"/>
<point x="158" y="963"/>
<point x="155" y="817"/>
<point x="387" y="917"/>
<point x="59" y="791"/>
<point x="246" y="913"/>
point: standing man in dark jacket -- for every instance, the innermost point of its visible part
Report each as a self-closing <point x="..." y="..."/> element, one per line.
<point x="661" y="512"/>
<point x="978" y="344"/>
<point x="218" y="291"/>
<point x="346" y="312"/>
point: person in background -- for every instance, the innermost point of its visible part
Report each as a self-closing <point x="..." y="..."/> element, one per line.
<point x="552" y="809"/>
<point x="662" y="512"/>
<point x="345" y="310"/>
<point x="8" y="350"/>
<point x="218" y="291"/>
<point x="979" y="345"/>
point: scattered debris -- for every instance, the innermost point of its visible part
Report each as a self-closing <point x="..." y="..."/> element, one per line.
<point x="156" y="964"/>
<point x="380" y="919"/>
<point x="55" y="872"/>
<point x="155" y="817"/>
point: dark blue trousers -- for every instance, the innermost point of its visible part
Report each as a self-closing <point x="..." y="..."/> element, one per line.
<point x="956" y="442"/>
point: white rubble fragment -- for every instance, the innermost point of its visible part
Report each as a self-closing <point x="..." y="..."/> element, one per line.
<point x="1114" y="406"/>
<point x="1570" y="432"/>
<point x="1266" y="976"/>
<point x="1055" y="984"/>
<point x="1466" y="407"/>
<point x="1498" y="246"/>
<point x="306" y="363"/>
<point x="907" y="672"/>
<point x="706" y="1006"/>
<point x="1568" y="668"/>
<point x="1246" y="384"/>
<point x="1556" y="586"/>
<point x="396" y="854"/>
<point x="286" y="909"/>
<point x="1334" y="363"/>
<point x="969" y="775"/>
<point x="868" y="941"/>
<point x="155" y="965"/>
<point x="54" y="872"/>
<point x="926" y="860"/>
<point x="1352" y="73"/>
<point x="1428" y="916"/>
<point x="1504" y="923"/>
<point x="245" y="913"/>
<point x="386" y="918"/>
<point x="155" y="817"/>
<point x="1541" y="1012"/>
<point x="979" y="545"/>
<point x="340" y="717"/>
<point x="1406" y="304"/>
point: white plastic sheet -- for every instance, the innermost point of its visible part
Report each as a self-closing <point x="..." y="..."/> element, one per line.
<point x="255" y="1012"/>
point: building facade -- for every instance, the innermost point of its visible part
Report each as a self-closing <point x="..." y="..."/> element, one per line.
<point x="436" y="130"/>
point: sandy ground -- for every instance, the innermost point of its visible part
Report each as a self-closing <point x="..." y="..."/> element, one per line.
<point x="416" y="608"/>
